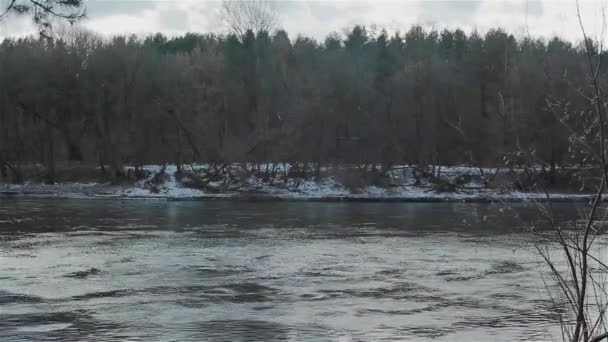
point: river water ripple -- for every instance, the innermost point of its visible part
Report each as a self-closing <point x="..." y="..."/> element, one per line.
<point x="237" y="271"/>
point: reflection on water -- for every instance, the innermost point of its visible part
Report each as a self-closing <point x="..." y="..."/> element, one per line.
<point x="228" y="271"/>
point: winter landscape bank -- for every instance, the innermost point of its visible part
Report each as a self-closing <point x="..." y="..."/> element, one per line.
<point x="283" y="181"/>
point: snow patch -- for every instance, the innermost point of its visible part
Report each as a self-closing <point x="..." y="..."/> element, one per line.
<point x="169" y="189"/>
<point x="401" y="186"/>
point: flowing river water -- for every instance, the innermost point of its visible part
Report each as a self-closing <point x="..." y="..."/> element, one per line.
<point x="98" y="270"/>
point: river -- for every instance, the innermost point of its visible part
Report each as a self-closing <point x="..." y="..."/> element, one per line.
<point x="100" y="270"/>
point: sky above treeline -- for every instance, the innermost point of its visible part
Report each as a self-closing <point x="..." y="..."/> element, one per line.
<point x="538" y="18"/>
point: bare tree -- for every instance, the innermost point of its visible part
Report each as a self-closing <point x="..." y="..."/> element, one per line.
<point x="254" y="15"/>
<point x="43" y="11"/>
<point x="577" y="266"/>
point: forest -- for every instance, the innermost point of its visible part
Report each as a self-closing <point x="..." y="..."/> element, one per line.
<point x="423" y="97"/>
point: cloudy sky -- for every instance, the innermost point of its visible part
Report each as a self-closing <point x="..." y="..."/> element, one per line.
<point x="318" y="18"/>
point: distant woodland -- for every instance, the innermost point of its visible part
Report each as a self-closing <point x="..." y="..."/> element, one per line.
<point x="365" y="97"/>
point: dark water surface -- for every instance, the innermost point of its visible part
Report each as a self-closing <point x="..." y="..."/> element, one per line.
<point x="275" y="271"/>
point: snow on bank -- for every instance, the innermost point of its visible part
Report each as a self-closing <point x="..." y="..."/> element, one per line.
<point x="169" y="189"/>
<point x="281" y="187"/>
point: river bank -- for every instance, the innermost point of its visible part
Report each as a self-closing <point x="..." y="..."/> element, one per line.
<point x="451" y="184"/>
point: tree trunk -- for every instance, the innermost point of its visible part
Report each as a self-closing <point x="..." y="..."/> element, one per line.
<point x="50" y="164"/>
<point x="74" y="152"/>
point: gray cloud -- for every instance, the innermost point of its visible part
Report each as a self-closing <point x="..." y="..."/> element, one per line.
<point x="534" y="8"/>
<point x="320" y="17"/>
<point x="174" y="18"/>
<point x="449" y="8"/>
<point x="104" y="8"/>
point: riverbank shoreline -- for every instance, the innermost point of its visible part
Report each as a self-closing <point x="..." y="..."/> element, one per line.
<point x="456" y="184"/>
<point x="518" y="198"/>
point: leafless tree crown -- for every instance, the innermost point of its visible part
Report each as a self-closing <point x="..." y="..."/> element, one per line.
<point x="43" y="11"/>
<point x="254" y="15"/>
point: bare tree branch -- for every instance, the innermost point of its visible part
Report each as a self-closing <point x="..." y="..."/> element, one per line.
<point x="255" y="15"/>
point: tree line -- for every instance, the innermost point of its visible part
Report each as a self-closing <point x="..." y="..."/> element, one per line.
<point x="366" y="97"/>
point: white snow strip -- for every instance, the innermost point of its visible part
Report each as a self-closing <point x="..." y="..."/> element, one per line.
<point x="329" y="187"/>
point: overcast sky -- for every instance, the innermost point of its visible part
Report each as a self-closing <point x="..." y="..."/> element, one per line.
<point x="318" y="18"/>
